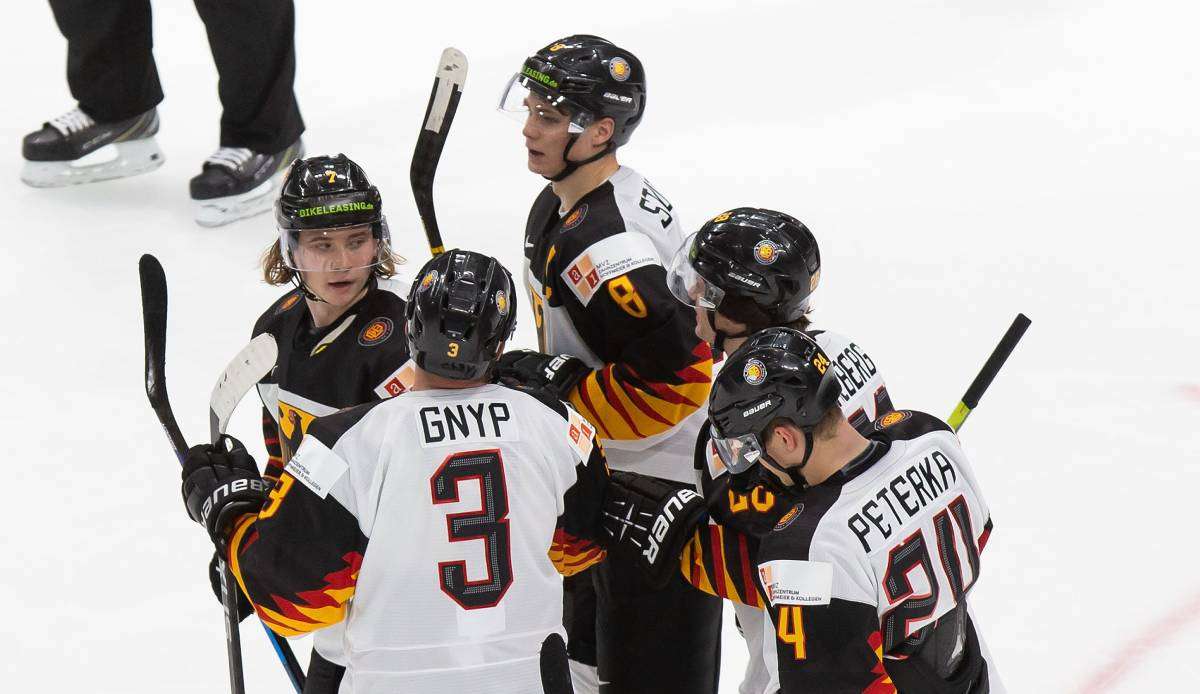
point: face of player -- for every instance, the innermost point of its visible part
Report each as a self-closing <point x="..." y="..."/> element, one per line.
<point x="348" y="254"/>
<point x="547" y="134"/>
<point x="706" y="331"/>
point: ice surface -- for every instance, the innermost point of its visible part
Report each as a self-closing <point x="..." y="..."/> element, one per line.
<point x="958" y="164"/>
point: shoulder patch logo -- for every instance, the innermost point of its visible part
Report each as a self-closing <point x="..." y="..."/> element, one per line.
<point x="766" y="252"/>
<point x="288" y="303"/>
<point x="619" y="68"/>
<point x="789" y="517"/>
<point x="377" y="331"/>
<point x="893" y="418"/>
<point x="755" y="372"/>
<point x="575" y="218"/>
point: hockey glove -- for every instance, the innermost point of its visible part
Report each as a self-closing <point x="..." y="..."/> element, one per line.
<point x="554" y="374"/>
<point x="221" y="483"/>
<point x="650" y="520"/>
<point x="244" y="608"/>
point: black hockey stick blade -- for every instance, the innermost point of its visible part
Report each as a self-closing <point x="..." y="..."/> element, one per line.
<point x="439" y="114"/>
<point x="970" y="399"/>
<point x="154" y="320"/>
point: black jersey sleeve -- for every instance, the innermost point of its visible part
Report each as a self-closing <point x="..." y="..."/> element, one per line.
<point x="656" y="371"/>
<point x="835" y="648"/>
<point x="297" y="560"/>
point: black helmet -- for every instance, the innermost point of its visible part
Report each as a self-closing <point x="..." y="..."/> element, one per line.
<point x="328" y="193"/>
<point x="778" y="372"/>
<point x="590" y="78"/>
<point x="756" y="266"/>
<point x="461" y="309"/>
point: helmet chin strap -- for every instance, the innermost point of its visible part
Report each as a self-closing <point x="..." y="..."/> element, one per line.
<point x="572" y="166"/>
<point x="795" y="474"/>
<point x="718" y="343"/>
<point x="308" y="293"/>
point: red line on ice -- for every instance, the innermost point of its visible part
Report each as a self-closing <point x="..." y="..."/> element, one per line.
<point x="1149" y="639"/>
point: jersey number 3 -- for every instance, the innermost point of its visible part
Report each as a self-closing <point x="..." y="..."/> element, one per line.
<point x="490" y="524"/>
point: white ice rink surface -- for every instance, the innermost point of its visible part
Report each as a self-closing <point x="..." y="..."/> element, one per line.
<point x="958" y="166"/>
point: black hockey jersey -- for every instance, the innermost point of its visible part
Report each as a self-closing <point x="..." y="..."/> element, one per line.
<point x="597" y="285"/>
<point x="436" y="512"/>
<point x="359" y="358"/>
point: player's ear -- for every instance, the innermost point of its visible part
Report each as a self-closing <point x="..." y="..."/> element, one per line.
<point x="602" y="131"/>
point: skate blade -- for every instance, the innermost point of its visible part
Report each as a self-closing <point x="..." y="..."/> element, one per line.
<point x="115" y="160"/>
<point x="221" y="211"/>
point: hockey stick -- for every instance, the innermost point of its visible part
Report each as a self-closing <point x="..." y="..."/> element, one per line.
<point x="154" y="319"/>
<point x="439" y="114"/>
<point x="970" y="399"/>
<point x="247" y="368"/>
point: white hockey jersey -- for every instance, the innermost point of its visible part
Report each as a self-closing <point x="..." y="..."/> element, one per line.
<point x="445" y="517"/>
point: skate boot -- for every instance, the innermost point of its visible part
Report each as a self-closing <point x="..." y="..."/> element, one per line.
<point x="74" y="148"/>
<point x="236" y="182"/>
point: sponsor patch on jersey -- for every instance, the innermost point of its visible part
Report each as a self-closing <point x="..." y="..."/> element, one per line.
<point x="579" y="434"/>
<point x="575" y="218"/>
<point x="377" y="331"/>
<point x="792" y="582"/>
<point x="606" y="259"/>
<point x="789" y="517"/>
<point x="619" y="68"/>
<point x="288" y="303"/>
<point x="892" y="418"/>
<point x="502" y="302"/>
<point x="399" y="381"/>
<point x="755" y="372"/>
<point x="766" y="252"/>
<point x="316" y="467"/>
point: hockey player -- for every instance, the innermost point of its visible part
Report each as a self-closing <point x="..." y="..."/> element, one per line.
<point x="441" y="514"/>
<point x="867" y="575"/>
<point x="745" y="270"/>
<point x="112" y="75"/>
<point x="339" y="332"/>
<point x="615" y="345"/>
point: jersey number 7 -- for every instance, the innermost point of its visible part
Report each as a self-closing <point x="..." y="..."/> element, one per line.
<point x="490" y="523"/>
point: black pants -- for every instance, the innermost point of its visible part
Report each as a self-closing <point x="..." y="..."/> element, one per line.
<point x="646" y="641"/>
<point x="111" y="70"/>
<point x="323" y="677"/>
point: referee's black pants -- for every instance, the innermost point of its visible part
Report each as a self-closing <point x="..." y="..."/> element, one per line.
<point x="111" y="70"/>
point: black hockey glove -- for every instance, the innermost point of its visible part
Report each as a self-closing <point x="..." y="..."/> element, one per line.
<point x="650" y="520"/>
<point x="221" y="483"/>
<point x="244" y="608"/>
<point x="554" y="374"/>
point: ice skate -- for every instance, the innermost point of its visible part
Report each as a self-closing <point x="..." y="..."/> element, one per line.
<point x="236" y="182"/>
<point x="74" y="148"/>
